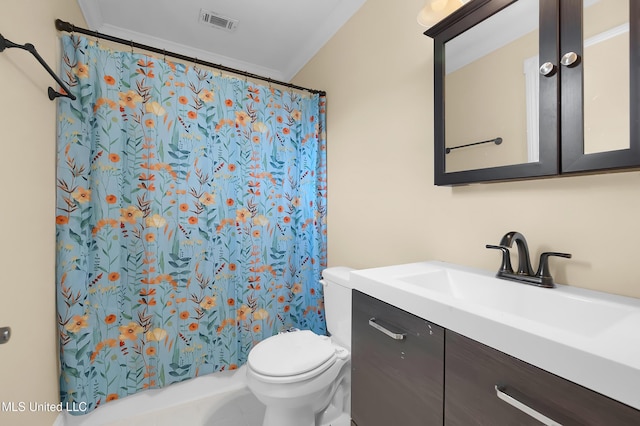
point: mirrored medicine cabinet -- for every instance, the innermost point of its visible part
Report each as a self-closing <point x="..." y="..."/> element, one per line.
<point x="533" y="88"/>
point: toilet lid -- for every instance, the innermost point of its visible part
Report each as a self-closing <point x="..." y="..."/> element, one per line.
<point x="289" y="354"/>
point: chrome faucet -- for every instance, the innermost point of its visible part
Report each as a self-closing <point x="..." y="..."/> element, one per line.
<point x="542" y="277"/>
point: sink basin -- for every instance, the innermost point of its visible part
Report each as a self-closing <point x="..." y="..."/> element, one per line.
<point x="573" y="310"/>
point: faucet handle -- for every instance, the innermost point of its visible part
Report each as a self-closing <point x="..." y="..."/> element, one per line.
<point x="543" y="268"/>
<point x="505" y="266"/>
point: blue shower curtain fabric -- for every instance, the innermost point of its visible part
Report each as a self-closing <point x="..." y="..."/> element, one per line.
<point x="190" y="222"/>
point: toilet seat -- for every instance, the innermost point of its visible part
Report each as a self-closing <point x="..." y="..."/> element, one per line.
<point x="296" y="378"/>
<point x="293" y="356"/>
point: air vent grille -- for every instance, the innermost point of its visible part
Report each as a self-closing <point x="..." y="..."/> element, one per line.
<point x="218" y="21"/>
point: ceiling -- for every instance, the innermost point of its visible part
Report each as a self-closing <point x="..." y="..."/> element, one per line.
<point x="273" y="38"/>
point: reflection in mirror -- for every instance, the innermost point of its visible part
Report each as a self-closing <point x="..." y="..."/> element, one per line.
<point x="606" y="75"/>
<point x="491" y="90"/>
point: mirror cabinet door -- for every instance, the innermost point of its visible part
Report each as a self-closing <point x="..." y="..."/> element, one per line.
<point x="495" y="113"/>
<point x="598" y="96"/>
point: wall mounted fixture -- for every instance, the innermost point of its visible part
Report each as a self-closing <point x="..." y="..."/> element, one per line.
<point x="5" y="334"/>
<point x="7" y="44"/>
<point x="497" y="141"/>
<point x="436" y="10"/>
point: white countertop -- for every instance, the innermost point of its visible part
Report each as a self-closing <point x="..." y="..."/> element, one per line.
<point x="588" y="337"/>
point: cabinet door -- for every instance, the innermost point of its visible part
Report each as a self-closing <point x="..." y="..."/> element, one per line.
<point x="473" y="371"/>
<point x="495" y="116"/>
<point x="395" y="381"/>
<point x="599" y="84"/>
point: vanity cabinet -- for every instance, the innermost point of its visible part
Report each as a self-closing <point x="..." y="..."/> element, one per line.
<point x="479" y="381"/>
<point x="408" y="371"/>
<point x="397" y="366"/>
<point x="554" y="83"/>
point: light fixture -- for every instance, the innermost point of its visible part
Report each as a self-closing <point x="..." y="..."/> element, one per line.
<point x="436" y="10"/>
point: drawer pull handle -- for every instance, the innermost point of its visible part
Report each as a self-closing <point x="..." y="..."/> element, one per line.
<point x="377" y="326"/>
<point x="500" y="391"/>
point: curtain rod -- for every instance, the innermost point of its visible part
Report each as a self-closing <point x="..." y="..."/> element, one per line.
<point x="70" y="28"/>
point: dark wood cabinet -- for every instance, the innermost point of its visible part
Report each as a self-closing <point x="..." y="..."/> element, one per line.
<point x="474" y="373"/>
<point x="578" y="129"/>
<point x="408" y="371"/>
<point x="397" y="379"/>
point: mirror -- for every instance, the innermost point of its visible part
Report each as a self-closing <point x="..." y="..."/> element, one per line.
<point x="606" y="75"/>
<point x="494" y="123"/>
<point x="489" y="96"/>
<point x="510" y="103"/>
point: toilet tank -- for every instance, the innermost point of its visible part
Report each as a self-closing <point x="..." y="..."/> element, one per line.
<point x="337" y="304"/>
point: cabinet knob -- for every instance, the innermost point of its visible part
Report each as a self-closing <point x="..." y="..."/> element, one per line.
<point x="547" y="69"/>
<point x="569" y="59"/>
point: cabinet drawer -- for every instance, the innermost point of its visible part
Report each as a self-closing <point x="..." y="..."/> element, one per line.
<point x="395" y="381"/>
<point x="473" y="370"/>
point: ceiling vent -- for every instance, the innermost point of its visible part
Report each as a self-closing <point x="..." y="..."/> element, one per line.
<point x="218" y="21"/>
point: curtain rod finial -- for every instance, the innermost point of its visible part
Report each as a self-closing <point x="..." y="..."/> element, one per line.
<point x="53" y="94"/>
<point x="63" y="26"/>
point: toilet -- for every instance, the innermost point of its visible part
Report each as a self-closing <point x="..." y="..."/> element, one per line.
<point x="302" y="378"/>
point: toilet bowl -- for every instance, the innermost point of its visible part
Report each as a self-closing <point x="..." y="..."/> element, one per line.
<point x="302" y="378"/>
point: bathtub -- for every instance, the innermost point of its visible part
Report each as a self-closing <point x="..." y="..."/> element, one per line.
<point x="220" y="399"/>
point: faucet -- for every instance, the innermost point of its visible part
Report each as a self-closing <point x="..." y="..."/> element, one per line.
<point x="542" y="277"/>
<point x="524" y="263"/>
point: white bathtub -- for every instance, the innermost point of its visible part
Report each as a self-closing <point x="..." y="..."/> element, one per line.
<point x="220" y="399"/>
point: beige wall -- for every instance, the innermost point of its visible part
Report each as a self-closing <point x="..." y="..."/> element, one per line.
<point x="28" y="363"/>
<point x="383" y="208"/>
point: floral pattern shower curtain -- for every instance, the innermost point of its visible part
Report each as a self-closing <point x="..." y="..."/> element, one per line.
<point x="190" y="220"/>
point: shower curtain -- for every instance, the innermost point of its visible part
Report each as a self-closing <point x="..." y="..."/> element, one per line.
<point x="190" y="220"/>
